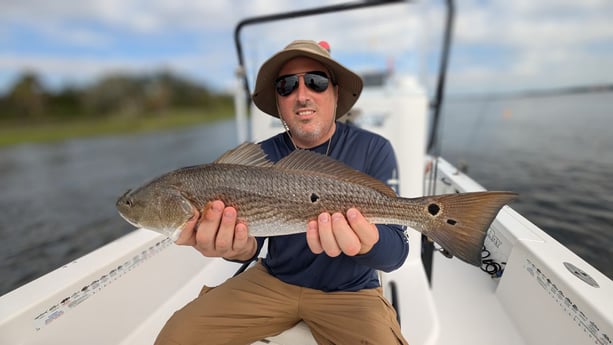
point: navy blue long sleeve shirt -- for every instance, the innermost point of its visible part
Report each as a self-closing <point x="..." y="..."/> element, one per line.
<point x="289" y="257"/>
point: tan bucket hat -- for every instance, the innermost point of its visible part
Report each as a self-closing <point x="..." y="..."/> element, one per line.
<point x="349" y="83"/>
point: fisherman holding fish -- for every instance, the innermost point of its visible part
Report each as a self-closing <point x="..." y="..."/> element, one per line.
<point x="327" y="278"/>
<point x="320" y="177"/>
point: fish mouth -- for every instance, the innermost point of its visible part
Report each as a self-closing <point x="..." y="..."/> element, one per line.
<point x="134" y="223"/>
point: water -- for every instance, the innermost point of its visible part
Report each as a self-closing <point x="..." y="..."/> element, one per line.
<point x="58" y="200"/>
<point x="556" y="152"/>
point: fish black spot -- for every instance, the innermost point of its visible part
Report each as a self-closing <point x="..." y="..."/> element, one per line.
<point x="433" y="209"/>
<point x="451" y="222"/>
<point x="314" y="197"/>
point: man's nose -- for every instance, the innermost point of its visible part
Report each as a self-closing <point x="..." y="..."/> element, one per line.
<point x="302" y="91"/>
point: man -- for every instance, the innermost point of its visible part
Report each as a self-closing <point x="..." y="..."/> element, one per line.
<point x="328" y="277"/>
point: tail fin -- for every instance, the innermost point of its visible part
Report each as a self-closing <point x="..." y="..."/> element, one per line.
<point x="460" y="222"/>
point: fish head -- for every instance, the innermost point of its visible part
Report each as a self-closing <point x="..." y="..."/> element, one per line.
<point x="164" y="210"/>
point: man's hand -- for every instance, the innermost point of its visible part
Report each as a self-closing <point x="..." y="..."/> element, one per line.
<point x="216" y="233"/>
<point x="335" y="234"/>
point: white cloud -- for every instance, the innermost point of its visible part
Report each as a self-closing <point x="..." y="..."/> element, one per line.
<point x="537" y="44"/>
<point x="531" y="42"/>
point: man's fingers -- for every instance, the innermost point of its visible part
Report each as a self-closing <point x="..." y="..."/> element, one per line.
<point x="244" y="246"/>
<point x="241" y="237"/>
<point x="346" y="238"/>
<point x="225" y="234"/>
<point x="312" y="236"/>
<point x="326" y="236"/>
<point x="207" y="230"/>
<point x="366" y="232"/>
<point x="336" y="234"/>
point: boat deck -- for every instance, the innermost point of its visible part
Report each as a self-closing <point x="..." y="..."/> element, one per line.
<point x="475" y="307"/>
<point x="124" y="296"/>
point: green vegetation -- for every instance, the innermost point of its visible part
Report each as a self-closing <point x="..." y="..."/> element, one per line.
<point x="11" y="134"/>
<point x="117" y="104"/>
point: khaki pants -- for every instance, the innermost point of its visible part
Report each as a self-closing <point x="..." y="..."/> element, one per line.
<point x="255" y="305"/>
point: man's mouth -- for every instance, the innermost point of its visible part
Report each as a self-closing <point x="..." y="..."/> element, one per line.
<point x="305" y="112"/>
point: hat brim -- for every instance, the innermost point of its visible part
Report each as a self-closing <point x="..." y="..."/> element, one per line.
<point x="349" y="84"/>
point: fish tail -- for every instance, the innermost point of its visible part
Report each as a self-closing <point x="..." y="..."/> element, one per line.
<point x="459" y="222"/>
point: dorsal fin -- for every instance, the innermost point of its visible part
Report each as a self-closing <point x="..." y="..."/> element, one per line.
<point x="304" y="160"/>
<point x="245" y="154"/>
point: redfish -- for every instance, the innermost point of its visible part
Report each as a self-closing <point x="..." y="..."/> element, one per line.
<point x="275" y="199"/>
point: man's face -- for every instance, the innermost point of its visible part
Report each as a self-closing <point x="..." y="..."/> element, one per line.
<point x="309" y="114"/>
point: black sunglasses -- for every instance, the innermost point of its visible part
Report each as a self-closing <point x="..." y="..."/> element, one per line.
<point x="315" y="80"/>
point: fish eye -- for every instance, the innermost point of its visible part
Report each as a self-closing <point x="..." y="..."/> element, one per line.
<point x="129" y="202"/>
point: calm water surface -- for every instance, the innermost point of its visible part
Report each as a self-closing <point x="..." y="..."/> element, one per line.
<point x="556" y="151"/>
<point x="58" y="200"/>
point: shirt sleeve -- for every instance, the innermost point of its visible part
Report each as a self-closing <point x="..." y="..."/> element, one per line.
<point x="390" y="252"/>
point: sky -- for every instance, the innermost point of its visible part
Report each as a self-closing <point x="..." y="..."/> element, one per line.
<point x="499" y="46"/>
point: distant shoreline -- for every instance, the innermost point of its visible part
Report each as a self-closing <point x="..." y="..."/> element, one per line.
<point x="21" y="133"/>
<point x="550" y="92"/>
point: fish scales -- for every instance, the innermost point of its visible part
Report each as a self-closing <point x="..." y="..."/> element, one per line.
<point x="280" y="198"/>
<point x="266" y="197"/>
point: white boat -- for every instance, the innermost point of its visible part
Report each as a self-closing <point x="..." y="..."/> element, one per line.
<point x="537" y="292"/>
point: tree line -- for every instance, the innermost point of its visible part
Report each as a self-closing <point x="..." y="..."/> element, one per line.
<point x="112" y="95"/>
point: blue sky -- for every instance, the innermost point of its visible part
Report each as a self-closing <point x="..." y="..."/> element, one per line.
<point x="499" y="45"/>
